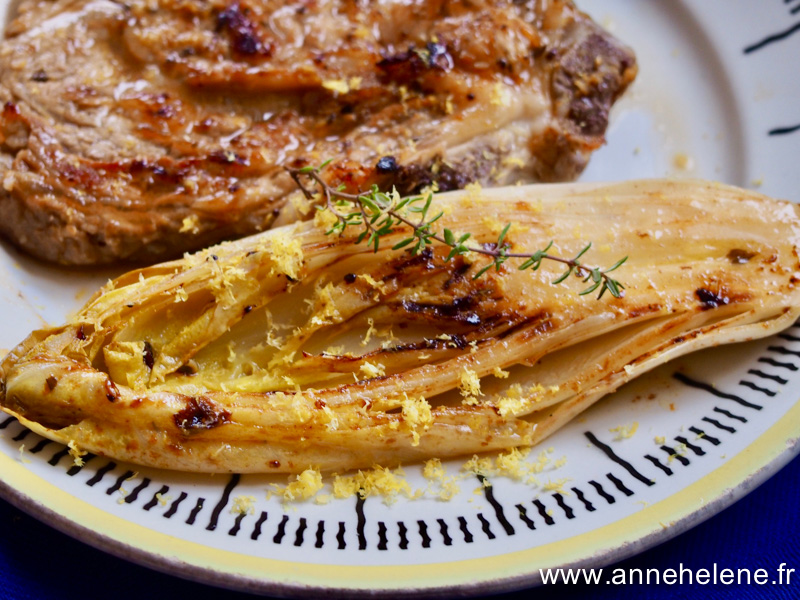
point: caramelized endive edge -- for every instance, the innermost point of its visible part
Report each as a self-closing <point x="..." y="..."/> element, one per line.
<point x="728" y="331"/>
<point x="546" y="421"/>
<point x="617" y="376"/>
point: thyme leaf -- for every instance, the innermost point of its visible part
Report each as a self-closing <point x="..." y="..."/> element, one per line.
<point x="379" y="214"/>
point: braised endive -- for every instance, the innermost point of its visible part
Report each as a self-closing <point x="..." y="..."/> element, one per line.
<point x="295" y="349"/>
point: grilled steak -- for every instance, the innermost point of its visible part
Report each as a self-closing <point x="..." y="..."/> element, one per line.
<point x="143" y="129"/>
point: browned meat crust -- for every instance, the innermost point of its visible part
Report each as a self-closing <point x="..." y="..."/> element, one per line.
<point x="140" y="130"/>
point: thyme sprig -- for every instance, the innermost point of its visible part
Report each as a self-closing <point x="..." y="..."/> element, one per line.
<point x="379" y="214"/>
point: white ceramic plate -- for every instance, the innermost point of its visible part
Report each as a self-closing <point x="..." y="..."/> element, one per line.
<point x="716" y="98"/>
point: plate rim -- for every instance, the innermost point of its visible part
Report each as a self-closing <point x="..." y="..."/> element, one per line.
<point x="652" y="525"/>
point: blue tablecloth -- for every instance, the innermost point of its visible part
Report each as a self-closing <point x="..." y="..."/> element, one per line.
<point x="760" y="531"/>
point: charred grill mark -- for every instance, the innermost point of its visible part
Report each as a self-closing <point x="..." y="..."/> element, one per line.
<point x="163" y="173"/>
<point x="186" y="369"/>
<point x="456" y="341"/>
<point x="640" y="311"/>
<point x="425" y="264"/>
<point x="539" y="323"/>
<point x="458" y="275"/>
<point x="242" y="31"/>
<point x="711" y="299"/>
<point x="423" y="259"/>
<point x="496" y="326"/>
<point x="343" y="363"/>
<point x="147" y="356"/>
<point x="200" y="414"/>
<point x="459" y="310"/>
<point x="409" y="66"/>
<point x="51" y="382"/>
<point x="737" y="256"/>
<point x="156" y="172"/>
